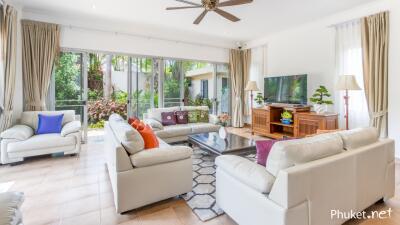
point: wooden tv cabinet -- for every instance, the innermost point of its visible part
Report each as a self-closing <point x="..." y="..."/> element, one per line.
<point x="267" y="121"/>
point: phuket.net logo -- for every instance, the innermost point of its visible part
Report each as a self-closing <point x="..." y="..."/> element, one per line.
<point x="378" y="214"/>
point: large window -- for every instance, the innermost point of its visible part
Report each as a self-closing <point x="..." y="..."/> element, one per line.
<point x="96" y="85"/>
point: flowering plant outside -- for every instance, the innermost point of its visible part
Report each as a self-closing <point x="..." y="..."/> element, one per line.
<point x="223" y="119"/>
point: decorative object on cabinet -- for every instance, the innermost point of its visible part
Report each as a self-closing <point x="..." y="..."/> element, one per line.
<point x="347" y="83"/>
<point x="267" y="121"/>
<point x="320" y="104"/>
<point x="259" y="99"/>
<point x="286" y="117"/>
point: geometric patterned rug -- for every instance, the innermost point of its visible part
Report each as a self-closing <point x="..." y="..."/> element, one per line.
<point x="202" y="197"/>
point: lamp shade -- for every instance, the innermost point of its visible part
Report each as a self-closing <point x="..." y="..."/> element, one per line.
<point x="251" y="86"/>
<point x="347" y="82"/>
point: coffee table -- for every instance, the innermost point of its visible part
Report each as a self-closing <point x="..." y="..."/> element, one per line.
<point x="233" y="144"/>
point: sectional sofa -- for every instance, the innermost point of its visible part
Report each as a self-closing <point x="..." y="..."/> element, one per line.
<point x="308" y="181"/>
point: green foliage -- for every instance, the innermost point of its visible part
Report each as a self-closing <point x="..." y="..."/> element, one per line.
<point x="120" y="97"/>
<point x="97" y="125"/>
<point x="68" y="77"/>
<point x="319" y="95"/>
<point x="287" y="115"/>
<point x="200" y="101"/>
<point x="259" y="99"/>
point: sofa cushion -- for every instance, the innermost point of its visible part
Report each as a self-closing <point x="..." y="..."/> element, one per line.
<point x="71" y="127"/>
<point x="263" y="149"/>
<point x="359" y="137"/>
<point x="198" y="128"/>
<point x="49" y="124"/>
<point x="30" y="118"/>
<point x="168" y="118"/>
<point x="289" y="153"/>
<point x="160" y="155"/>
<point x="41" y="141"/>
<point x="155" y="113"/>
<point x="18" y="132"/>
<point x="175" y="131"/>
<point x="115" y="117"/>
<point x="129" y="137"/>
<point x="249" y="173"/>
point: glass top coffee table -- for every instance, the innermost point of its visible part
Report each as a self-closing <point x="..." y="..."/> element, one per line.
<point x="233" y="144"/>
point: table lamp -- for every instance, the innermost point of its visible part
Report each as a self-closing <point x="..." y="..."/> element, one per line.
<point x="251" y="86"/>
<point x="347" y="83"/>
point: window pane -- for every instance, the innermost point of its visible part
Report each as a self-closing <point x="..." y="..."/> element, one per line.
<point x="143" y="97"/>
<point x="172" y="83"/>
<point x="223" y="89"/>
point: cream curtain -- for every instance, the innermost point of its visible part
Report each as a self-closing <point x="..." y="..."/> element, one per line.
<point x="375" y="41"/>
<point x="239" y="61"/>
<point x="8" y="58"/>
<point x="40" y="47"/>
<point x="246" y="77"/>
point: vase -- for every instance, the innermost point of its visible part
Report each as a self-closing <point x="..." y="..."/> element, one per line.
<point x="320" y="108"/>
<point x="223" y="132"/>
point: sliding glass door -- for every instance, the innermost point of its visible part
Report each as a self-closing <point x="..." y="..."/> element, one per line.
<point x="96" y="85"/>
<point x="68" y="91"/>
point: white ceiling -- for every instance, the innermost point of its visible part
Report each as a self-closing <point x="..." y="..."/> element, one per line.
<point x="149" y="17"/>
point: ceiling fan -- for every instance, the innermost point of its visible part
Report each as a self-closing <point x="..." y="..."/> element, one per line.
<point x="212" y="5"/>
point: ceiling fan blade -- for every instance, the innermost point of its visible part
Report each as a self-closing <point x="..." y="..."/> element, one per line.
<point x="234" y="2"/>
<point x="227" y="15"/>
<point x="200" y="18"/>
<point x="188" y="2"/>
<point x="184" y="7"/>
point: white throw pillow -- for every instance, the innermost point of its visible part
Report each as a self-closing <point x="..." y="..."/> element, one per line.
<point x="18" y="132"/>
<point x="129" y="137"/>
<point x="359" y="137"/>
<point x="285" y="154"/>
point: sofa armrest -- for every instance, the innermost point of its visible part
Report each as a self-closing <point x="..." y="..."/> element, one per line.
<point x="161" y="155"/>
<point x="247" y="172"/>
<point x="154" y="124"/>
<point x="70" y="128"/>
<point x="18" y="132"/>
<point x="213" y="119"/>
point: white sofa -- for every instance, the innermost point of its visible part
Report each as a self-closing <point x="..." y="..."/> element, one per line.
<point x="140" y="177"/>
<point x="305" y="179"/>
<point x="20" y="140"/>
<point x="179" y="132"/>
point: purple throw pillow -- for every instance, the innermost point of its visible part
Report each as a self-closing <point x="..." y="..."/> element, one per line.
<point x="49" y="124"/>
<point x="182" y="117"/>
<point x="263" y="149"/>
<point x="168" y="118"/>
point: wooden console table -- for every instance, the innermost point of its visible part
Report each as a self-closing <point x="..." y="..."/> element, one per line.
<point x="267" y="122"/>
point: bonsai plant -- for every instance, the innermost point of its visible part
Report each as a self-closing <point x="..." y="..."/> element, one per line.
<point x="286" y="117"/>
<point x="259" y="99"/>
<point x="318" y="98"/>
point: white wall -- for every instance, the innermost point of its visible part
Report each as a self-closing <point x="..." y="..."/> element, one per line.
<point x="311" y="49"/>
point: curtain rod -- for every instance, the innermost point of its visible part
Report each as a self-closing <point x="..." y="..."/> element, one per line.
<point x="143" y="36"/>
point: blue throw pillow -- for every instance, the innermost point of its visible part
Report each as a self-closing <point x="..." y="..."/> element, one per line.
<point x="49" y="124"/>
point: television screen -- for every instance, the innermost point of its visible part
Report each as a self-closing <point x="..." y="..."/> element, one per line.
<point x="286" y="89"/>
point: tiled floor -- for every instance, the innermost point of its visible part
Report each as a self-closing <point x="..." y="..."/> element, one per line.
<point x="76" y="190"/>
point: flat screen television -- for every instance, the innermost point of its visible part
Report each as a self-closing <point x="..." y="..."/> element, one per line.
<point x="286" y="89"/>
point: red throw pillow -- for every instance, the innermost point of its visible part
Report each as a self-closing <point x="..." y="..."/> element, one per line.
<point x="150" y="139"/>
<point x="132" y="119"/>
<point x="168" y="118"/>
<point x="182" y="117"/>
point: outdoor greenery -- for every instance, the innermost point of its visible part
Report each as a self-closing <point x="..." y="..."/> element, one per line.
<point x="319" y="96"/>
<point x="68" y="85"/>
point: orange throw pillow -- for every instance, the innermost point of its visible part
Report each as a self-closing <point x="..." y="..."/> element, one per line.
<point x="150" y="139"/>
<point x="132" y="119"/>
<point x="135" y="124"/>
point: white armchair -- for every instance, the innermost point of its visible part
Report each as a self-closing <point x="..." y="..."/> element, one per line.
<point x="20" y="140"/>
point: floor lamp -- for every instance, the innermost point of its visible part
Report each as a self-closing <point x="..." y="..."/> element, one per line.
<point x="347" y="83"/>
<point x="251" y="86"/>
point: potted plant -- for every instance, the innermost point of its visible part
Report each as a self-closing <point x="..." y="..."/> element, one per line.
<point x="286" y="117"/>
<point x="318" y="98"/>
<point x="259" y="99"/>
<point x="223" y="121"/>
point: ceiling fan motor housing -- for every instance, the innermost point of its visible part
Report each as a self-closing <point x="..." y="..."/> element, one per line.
<point x="210" y="4"/>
